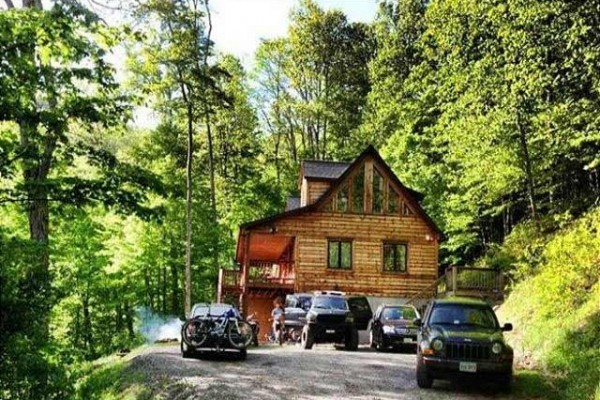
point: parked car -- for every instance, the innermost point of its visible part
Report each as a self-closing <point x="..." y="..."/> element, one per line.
<point x="215" y="327"/>
<point x="329" y="320"/>
<point x="461" y="337"/>
<point x="393" y="326"/>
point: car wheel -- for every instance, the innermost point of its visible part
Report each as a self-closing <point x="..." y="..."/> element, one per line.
<point x="185" y="352"/>
<point x="381" y="345"/>
<point x="504" y="382"/>
<point x="424" y="380"/>
<point x="243" y="354"/>
<point x="352" y="340"/>
<point x="371" y="342"/>
<point x="308" y="338"/>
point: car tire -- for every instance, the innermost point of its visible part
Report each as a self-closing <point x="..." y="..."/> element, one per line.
<point x="242" y="355"/>
<point x="505" y="382"/>
<point x="424" y="380"/>
<point x="308" y="338"/>
<point x="352" y="340"/>
<point x="185" y="352"/>
<point x="381" y="345"/>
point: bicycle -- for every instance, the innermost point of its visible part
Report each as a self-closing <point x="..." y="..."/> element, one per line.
<point x="196" y="331"/>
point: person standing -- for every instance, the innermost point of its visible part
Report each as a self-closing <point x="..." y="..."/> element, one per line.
<point x="278" y="318"/>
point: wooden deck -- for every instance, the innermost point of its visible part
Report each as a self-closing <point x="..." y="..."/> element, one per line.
<point x="483" y="283"/>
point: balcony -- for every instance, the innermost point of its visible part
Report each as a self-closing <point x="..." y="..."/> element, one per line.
<point x="261" y="275"/>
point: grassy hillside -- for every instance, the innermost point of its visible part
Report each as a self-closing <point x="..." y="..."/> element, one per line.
<point x="555" y="306"/>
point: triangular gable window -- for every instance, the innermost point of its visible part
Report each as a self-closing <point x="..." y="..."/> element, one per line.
<point x="377" y="192"/>
<point x="358" y="191"/>
<point x="393" y="201"/>
<point x="343" y="198"/>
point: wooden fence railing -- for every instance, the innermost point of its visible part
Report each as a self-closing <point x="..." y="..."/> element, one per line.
<point x="484" y="283"/>
<point x="259" y="274"/>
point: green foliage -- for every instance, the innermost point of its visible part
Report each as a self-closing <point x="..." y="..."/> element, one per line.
<point x="556" y="310"/>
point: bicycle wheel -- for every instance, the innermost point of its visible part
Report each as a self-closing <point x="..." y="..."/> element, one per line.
<point x="194" y="332"/>
<point x="239" y="334"/>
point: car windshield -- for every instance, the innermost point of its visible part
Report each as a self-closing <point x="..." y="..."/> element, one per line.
<point x="399" y="313"/>
<point x="330" y="302"/>
<point x="463" y="314"/>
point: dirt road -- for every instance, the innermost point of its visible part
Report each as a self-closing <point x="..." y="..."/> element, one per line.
<point x="273" y="372"/>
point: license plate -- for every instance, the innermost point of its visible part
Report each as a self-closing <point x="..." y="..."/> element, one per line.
<point x="467" y="367"/>
<point x="408" y="340"/>
<point x="330" y="331"/>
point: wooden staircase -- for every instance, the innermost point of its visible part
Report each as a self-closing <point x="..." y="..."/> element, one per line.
<point x="483" y="283"/>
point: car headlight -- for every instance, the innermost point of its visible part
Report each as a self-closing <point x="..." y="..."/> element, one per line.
<point x="497" y="348"/>
<point x="311" y="317"/>
<point x="437" y="345"/>
<point x="350" y="318"/>
<point x="388" y="329"/>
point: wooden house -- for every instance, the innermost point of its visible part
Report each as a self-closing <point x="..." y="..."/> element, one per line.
<point x="355" y="228"/>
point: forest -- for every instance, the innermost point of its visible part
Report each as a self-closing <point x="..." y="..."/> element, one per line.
<point x="490" y="108"/>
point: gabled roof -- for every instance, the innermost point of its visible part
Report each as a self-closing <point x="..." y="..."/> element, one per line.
<point x="292" y="203"/>
<point x="410" y="195"/>
<point x="312" y="169"/>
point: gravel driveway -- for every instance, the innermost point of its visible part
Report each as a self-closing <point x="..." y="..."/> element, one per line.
<point x="287" y="372"/>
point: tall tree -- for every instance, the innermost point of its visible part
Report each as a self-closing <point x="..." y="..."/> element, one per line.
<point x="313" y="85"/>
<point x="178" y="64"/>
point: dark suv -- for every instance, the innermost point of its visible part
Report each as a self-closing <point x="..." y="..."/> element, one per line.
<point x="330" y="320"/>
<point x="461" y="337"/>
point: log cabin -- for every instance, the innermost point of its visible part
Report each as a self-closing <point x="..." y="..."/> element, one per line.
<point x="355" y="228"/>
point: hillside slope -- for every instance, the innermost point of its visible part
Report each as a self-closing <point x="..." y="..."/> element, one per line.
<point x="555" y="306"/>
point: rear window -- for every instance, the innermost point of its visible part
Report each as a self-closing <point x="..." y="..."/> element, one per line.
<point x="399" y="313"/>
<point x="213" y="310"/>
<point x="330" y="303"/>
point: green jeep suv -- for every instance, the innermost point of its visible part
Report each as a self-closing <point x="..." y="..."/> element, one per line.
<point x="460" y="338"/>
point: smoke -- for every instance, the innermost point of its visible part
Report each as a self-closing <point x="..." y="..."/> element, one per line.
<point x="156" y="328"/>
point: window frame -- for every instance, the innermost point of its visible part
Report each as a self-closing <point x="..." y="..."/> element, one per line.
<point x="339" y="242"/>
<point x="406" y="259"/>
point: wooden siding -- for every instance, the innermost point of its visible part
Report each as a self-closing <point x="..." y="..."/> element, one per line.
<point x="316" y="189"/>
<point x="368" y="233"/>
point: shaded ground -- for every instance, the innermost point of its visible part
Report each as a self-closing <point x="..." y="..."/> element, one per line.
<point x="273" y="372"/>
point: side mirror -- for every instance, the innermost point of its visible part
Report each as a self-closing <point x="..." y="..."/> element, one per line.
<point x="507" y="327"/>
<point x="417" y="322"/>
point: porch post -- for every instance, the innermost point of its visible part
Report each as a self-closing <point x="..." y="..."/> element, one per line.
<point x="244" y="277"/>
<point x="220" y="286"/>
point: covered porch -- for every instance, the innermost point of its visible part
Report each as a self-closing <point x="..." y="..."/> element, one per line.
<point x="266" y="268"/>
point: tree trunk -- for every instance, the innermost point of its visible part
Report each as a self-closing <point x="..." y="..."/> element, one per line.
<point x="188" y="210"/>
<point x="528" y="169"/>
<point x="87" y="328"/>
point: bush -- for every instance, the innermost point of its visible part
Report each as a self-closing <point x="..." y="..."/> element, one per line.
<point x="557" y="310"/>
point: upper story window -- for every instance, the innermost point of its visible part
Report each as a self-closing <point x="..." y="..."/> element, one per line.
<point x="358" y="191"/>
<point x="342" y="198"/>
<point x="377" y="192"/>
<point x="339" y="254"/>
<point x="393" y="201"/>
<point x="394" y="257"/>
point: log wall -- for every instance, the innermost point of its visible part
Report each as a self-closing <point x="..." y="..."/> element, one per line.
<point x="368" y="233"/>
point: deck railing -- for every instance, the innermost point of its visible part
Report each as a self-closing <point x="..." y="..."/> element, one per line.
<point x="484" y="283"/>
<point x="260" y="274"/>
